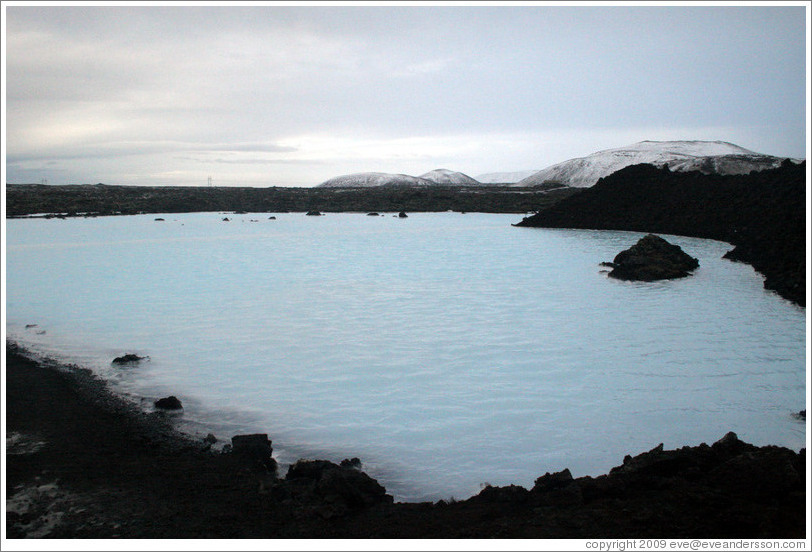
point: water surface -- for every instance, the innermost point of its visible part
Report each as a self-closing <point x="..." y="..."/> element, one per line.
<point x="445" y="350"/>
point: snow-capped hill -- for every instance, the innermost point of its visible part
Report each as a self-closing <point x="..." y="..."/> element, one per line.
<point x="449" y="178"/>
<point x="708" y="157"/>
<point x="504" y="177"/>
<point x="372" y="179"/>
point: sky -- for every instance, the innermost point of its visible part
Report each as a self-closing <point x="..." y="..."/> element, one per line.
<point x="292" y="95"/>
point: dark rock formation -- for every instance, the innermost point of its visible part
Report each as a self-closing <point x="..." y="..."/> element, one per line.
<point x="763" y="214"/>
<point x="652" y="258"/>
<point x="373" y="214"/>
<point x="313" y="214"/>
<point x="342" y="485"/>
<point x="351" y="463"/>
<point x="402" y="215"/>
<point x="159" y="219"/>
<point x="169" y="403"/>
<point x="254" y="450"/>
<point x="128" y="359"/>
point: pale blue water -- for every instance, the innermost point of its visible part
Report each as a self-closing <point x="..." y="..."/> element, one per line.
<point x="444" y="350"/>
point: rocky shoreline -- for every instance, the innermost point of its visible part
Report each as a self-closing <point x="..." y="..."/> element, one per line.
<point x="763" y="214"/>
<point x="84" y="463"/>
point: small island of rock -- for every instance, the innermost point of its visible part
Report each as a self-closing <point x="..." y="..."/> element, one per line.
<point x="652" y="258"/>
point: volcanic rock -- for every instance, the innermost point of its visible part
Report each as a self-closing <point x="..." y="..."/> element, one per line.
<point x="256" y="450"/>
<point x="336" y="484"/>
<point x="169" y="403"/>
<point x="652" y="258"/>
<point x="128" y="358"/>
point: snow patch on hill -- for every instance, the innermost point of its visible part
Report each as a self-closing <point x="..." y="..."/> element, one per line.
<point x="372" y="179"/>
<point x="714" y="157"/>
<point x="437" y="177"/>
<point x="449" y="178"/>
<point x="504" y="177"/>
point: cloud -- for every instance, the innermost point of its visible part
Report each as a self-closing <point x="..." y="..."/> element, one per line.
<point x="358" y="88"/>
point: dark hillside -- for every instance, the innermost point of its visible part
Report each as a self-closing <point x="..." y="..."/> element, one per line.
<point x="763" y="214"/>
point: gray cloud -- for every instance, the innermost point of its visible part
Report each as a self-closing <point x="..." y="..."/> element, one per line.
<point x="322" y="90"/>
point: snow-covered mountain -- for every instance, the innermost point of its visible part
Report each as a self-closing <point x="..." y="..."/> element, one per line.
<point x="449" y="178"/>
<point x="437" y="177"/>
<point x="504" y="177"/>
<point x="372" y="179"/>
<point x="707" y="157"/>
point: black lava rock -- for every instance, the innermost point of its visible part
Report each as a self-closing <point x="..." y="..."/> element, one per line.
<point x="652" y="258"/>
<point x="128" y="358"/>
<point x="169" y="403"/>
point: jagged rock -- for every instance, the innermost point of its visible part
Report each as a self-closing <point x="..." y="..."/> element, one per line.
<point x="313" y="214"/>
<point x="402" y="215"/>
<point x="210" y="439"/>
<point x="335" y="483"/>
<point x="128" y="358"/>
<point x="652" y="258"/>
<point x="169" y="403"/>
<point x="512" y="494"/>
<point x="351" y="463"/>
<point x="557" y="489"/>
<point x="226" y="219"/>
<point x="550" y="481"/>
<point x="254" y="449"/>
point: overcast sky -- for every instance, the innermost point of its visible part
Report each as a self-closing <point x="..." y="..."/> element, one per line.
<point x="292" y="96"/>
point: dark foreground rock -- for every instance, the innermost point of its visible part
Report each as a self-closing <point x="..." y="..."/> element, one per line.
<point x="763" y="214"/>
<point x="85" y="464"/>
<point x="652" y="258"/>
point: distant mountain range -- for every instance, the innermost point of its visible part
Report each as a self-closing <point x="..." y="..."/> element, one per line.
<point x="437" y="177"/>
<point x="707" y="157"/>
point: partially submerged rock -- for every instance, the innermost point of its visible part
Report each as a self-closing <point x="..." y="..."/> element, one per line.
<point x="313" y="214"/>
<point x="169" y="403"/>
<point x="652" y="258"/>
<point x="128" y="359"/>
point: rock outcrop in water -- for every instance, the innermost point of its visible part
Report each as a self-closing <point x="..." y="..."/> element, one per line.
<point x="169" y="403"/>
<point x="763" y="214"/>
<point x="652" y="258"/>
<point x="129" y="358"/>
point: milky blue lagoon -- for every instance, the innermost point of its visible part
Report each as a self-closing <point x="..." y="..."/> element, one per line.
<point x="445" y="350"/>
